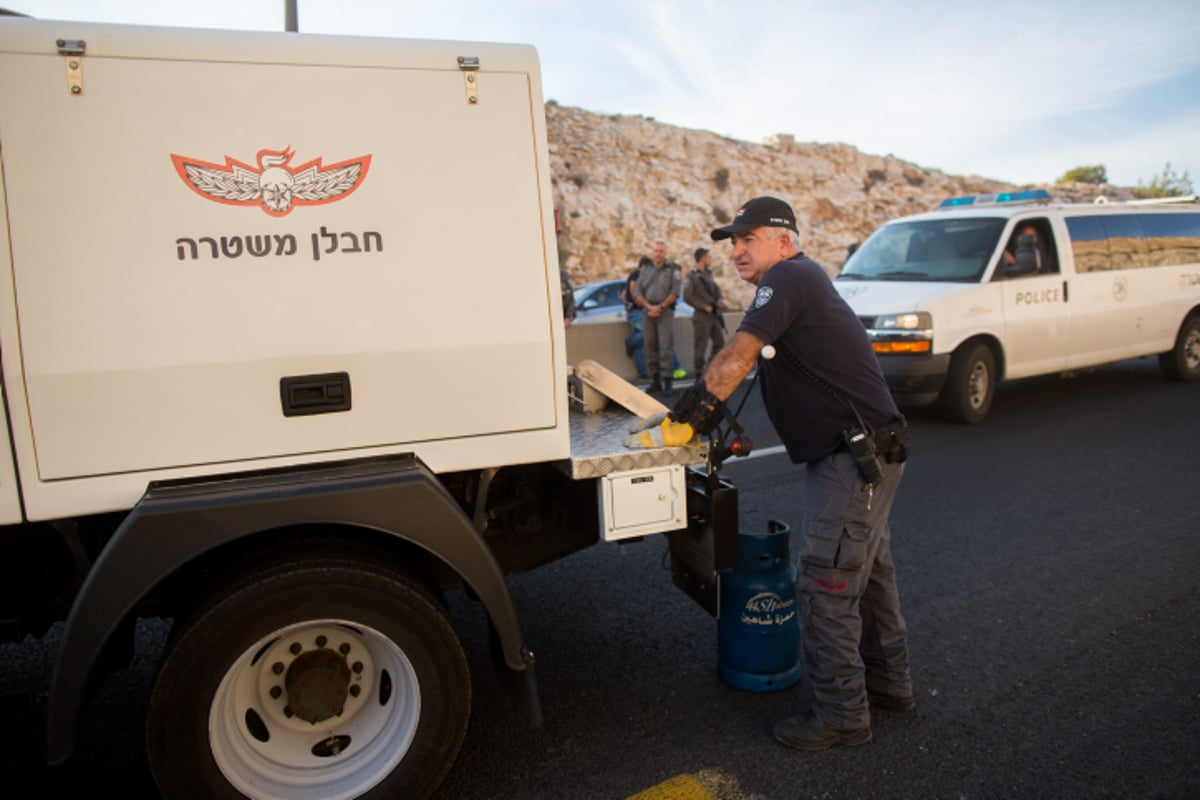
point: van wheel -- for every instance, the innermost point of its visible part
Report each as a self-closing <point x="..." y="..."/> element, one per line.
<point x="311" y="680"/>
<point x="1183" y="362"/>
<point x="970" y="385"/>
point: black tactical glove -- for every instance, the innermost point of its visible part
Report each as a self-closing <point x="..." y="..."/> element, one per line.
<point x="699" y="408"/>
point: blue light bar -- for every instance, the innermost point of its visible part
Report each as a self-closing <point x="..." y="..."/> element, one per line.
<point x="1025" y="196"/>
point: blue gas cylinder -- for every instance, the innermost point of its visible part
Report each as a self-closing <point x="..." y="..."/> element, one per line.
<point x="758" y="628"/>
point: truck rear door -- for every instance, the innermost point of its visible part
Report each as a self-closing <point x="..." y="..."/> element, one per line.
<point x="230" y="246"/>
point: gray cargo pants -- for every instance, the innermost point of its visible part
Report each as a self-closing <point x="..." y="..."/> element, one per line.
<point x="659" y="333"/>
<point x="854" y="633"/>
<point x="705" y="328"/>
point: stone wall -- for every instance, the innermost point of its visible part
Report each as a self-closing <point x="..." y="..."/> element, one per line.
<point x="621" y="182"/>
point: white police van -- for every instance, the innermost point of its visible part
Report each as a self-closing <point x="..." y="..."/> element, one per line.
<point x="996" y="287"/>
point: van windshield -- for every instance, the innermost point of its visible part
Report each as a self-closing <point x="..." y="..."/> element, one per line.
<point x="940" y="250"/>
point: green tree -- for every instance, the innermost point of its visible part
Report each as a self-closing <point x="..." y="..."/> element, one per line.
<point x="1168" y="184"/>
<point x="1096" y="174"/>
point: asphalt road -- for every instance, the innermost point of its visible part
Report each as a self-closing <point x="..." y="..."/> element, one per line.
<point x="1049" y="566"/>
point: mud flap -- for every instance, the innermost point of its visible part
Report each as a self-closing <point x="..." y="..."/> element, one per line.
<point x="524" y="682"/>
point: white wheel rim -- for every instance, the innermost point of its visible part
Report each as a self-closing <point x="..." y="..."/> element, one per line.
<point x="341" y="757"/>
<point x="978" y="385"/>
<point x="1191" y="349"/>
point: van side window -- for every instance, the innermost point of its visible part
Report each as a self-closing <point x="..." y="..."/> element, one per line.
<point x="1108" y="241"/>
<point x="1172" y="238"/>
<point x="1089" y="243"/>
<point x="1030" y="251"/>
<point x="1126" y="241"/>
<point x="1130" y="241"/>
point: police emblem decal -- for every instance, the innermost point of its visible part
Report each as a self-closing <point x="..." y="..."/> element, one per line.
<point x="272" y="184"/>
<point x="763" y="296"/>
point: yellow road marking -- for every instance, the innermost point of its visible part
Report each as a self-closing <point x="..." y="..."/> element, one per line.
<point x="681" y="787"/>
<point x="707" y="784"/>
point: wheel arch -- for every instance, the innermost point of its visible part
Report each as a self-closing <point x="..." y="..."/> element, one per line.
<point x="993" y="343"/>
<point x="1175" y="362"/>
<point x="397" y="499"/>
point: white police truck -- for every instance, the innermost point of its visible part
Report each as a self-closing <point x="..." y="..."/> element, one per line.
<point x="235" y="394"/>
<point x="996" y="287"/>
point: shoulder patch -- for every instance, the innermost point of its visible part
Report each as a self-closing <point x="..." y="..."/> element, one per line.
<point x="763" y="296"/>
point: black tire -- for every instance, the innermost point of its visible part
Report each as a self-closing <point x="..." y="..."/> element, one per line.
<point x="1182" y="363"/>
<point x="220" y="722"/>
<point x="970" y="385"/>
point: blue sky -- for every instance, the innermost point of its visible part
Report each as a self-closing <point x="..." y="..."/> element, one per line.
<point x="1016" y="91"/>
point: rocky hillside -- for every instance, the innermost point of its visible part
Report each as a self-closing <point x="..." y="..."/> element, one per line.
<point x="621" y="182"/>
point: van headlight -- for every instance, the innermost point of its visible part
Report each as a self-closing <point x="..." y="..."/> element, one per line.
<point x="911" y="332"/>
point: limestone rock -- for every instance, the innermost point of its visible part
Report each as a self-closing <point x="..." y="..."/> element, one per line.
<point x="621" y="182"/>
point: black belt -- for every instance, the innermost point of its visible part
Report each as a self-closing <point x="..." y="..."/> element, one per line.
<point x="891" y="442"/>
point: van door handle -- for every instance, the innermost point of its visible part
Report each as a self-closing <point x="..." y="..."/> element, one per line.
<point x="315" y="394"/>
<point x="1065" y="298"/>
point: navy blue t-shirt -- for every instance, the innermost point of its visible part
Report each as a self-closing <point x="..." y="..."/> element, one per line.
<point x="798" y="310"/>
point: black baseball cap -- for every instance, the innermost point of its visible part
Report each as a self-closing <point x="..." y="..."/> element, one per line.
<point x="699" y="254"/>
<point x="761" y="212"/>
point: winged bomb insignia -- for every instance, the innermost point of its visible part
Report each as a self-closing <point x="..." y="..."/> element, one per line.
<point x="272" y="183"/>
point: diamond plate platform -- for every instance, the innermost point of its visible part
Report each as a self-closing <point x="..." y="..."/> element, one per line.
<point x="598" y="446"/>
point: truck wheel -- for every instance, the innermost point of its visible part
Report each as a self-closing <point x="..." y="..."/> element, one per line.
<point x="970" y="385"/>
<point x="1183" y="362"/>
<point x="311" y="681"/>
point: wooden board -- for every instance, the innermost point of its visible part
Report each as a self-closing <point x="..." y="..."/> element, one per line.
<point x="617" y="389"/>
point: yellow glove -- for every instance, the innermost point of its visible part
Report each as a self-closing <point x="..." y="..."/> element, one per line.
<point x="659" y="430"/>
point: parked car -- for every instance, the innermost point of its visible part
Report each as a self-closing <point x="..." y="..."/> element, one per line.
<point x="600" y="301"/>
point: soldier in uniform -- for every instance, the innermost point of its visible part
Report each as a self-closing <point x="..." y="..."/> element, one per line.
<point x="701" y="292"/>
<point x="656" y="291"/>
<point x="568" y="297"/>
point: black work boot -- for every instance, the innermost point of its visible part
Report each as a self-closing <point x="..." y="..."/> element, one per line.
<point x="808" y="732"/>
<point x="897" y="703"/>
<point x="655" y="386"/>
<point x="667" y="386"/>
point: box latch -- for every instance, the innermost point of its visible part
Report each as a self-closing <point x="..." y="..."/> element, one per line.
<point x="470" y="67"/>
<point x="73" y="50"/>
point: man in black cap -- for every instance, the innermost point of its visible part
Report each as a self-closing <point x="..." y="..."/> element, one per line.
<point x="701" y="292"/>
<point x="827" y="398"/>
